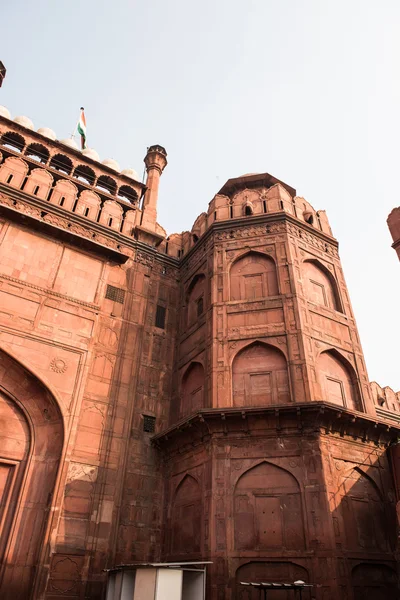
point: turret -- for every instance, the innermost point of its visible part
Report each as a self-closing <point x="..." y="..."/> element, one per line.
<point x="155" y="161"/>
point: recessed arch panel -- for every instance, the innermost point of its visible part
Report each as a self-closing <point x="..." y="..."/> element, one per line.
<point x="338" y="380"/>
<point x="253" y="276"/>
<point x="320" y="285"/>
<point x="186" y="518"/>
<point x="260" y="376"/>
<point x="192" y="389"/>
<point x="267" y="510"/>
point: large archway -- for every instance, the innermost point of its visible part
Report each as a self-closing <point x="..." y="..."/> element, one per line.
<point x="31" y="442"/>
<point x="267" y="510"/>
<point x="268" y="571"/>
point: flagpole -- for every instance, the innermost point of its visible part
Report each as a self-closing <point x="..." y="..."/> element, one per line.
<point x="76" y="126"/>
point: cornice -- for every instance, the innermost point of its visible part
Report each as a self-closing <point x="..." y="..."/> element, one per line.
<point x="266" y="219"/>
<point x="317" y="416"/>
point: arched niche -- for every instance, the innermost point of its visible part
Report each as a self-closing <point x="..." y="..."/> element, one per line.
<point x="64" y="194"/>
<point x="192" y="389"/>
<point x="320" y="285"/>
<point x="267" y="510"/>
<point x="362" y="512"/>
<point x="39" y="183"/>
<point x="111" y="214"/>
<point x="31" y="443"/>
<point x="260" y="376"/>
<point x="195" y="298"/>
<point x="338" y="380"/>
<point x="37" y="152"/>
<point x="13" y="140"/>
<point x="271" y="572"/>
<point x="186" y="513"/>
<point x="374" y="581"/>
<point x="13" y="171"/>
<point x="88" y="205"/>
<point x="61" y="163"/>
<point x="253" y="276"/>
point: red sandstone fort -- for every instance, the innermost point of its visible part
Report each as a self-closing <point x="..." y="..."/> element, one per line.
<point x="197" y="396"/>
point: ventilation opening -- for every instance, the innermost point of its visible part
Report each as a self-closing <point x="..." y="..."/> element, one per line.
<point x="195" y="238"/>
<point x="62" y="200"/>
<point x="86" y="212"/>
<point x="149" y="424"/>
<point x="10" y="178"/>
<point x="35" y="191"/>
<point x="110" y="221"/>
<point x="281" y="204"/>
<point x="116" y="294"/>
<point x="160" y="316"/>
<point x="310" y="219"/>
<point x="265" y="206"/>
<point x="215" y="215"/>
<point x="248" y="211"/>
<point x="200" y="306"/>
<point x="231" y="212"/>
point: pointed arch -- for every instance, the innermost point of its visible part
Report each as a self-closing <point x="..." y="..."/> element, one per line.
<point x="186" y="517"/>
<point x="253" y="276"/>
<point x="338" y="380"/>
<point x="267" y="509"/>
<point x="260" y="376"/>
<point x="192" y="389"/>
<point x="362" y="511"/>
<point x="30" y="478"/>
<point x="320" y="285"/>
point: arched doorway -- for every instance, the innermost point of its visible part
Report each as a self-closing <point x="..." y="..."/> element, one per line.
<point x="31" y="441"/>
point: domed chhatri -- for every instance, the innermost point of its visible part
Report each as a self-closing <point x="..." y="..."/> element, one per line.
<point x="91" y="153"/>
<point x="47" y="132"/>
<point x="131" y="173"/>
<point x="111" y="164"/>
<point x="4" y="112"/>
<point x="24" y="121"/>
<point x="70" y="143"/>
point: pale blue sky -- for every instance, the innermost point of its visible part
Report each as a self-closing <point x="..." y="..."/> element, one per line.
<point x="307" y="90"/>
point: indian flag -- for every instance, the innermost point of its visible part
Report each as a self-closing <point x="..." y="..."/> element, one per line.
<point x="82" y="128"/>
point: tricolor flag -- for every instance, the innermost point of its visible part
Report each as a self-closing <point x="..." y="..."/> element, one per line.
<point x="82" y="128"/>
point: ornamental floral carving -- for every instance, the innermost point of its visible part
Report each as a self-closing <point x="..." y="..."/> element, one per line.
<point x="58" y="365"/>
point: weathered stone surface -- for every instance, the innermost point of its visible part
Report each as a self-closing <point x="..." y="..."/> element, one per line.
<point x="201" y="396"/>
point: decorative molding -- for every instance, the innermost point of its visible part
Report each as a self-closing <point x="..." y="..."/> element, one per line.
<point x="58" y="365"/>
<point x="48" y="291"/>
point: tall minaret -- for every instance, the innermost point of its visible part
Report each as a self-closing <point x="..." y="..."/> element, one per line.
<point x="155" y="161"/>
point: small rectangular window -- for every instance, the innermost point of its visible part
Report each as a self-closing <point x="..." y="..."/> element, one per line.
<point x="86" y="212"/>
<point x="149" y="423"/>
<point x="116" y="294"/>
<point x="35" y="191"/>
<point x="160" y="316"/>
<point x="62" y="200"/>
<point x="9" y="179"/>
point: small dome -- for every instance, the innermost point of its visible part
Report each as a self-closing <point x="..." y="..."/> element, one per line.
<point x="249" y="174"/>
<point x="131" y="173"/>
<point x="90" y="153"/>
<point x="70" y="142"/>
<point x="49" y="133"/>
<point x="111" y="164"/>
<point x="4" y="112"/>
<point x="24" y="121"/>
